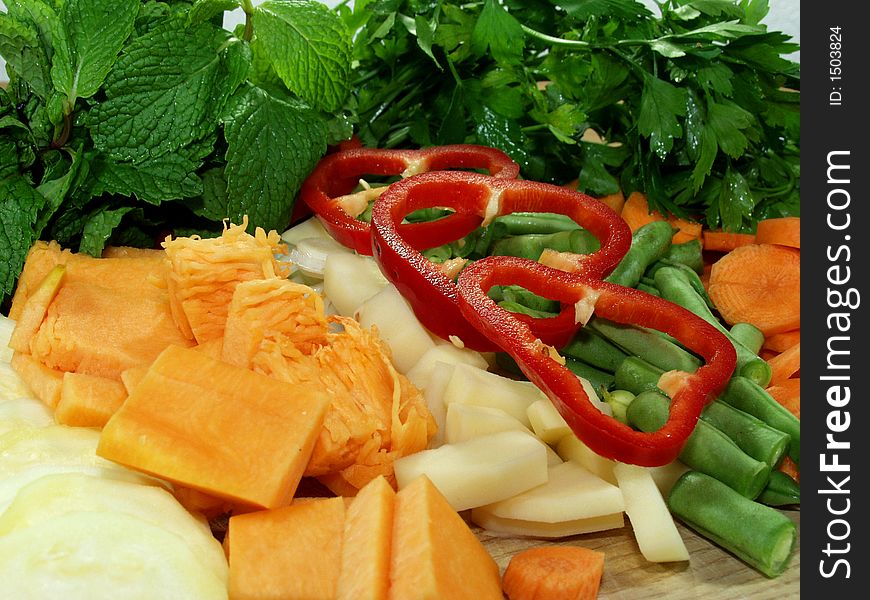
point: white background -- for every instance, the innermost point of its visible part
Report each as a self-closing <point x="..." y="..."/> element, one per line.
<point x="784" y="16"/>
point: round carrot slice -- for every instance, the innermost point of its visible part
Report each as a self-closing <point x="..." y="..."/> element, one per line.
<point x="758" y="284"/>
<point x="554" y="572"/>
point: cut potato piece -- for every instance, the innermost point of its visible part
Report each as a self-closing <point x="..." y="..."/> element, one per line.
<point x="666" y="476"/>
<point x="443" y="353"/>
<point x="397" y="325"/>
<point x="537" y="529"/>
<point x="466" y="421"/>
<point x="12" y="385"/>
<point x="479" y="471"/>
<point x="54" y="495"/>
<point x="546" y="421"/>
<point x="19" y="413"/>
<point x="571" y="448"/>
<point x="433" y="395"/>
<point x="350" y="279"/>
<point x="571" y="493"/>
<point x="309" y="228"/>
<point x="7" y="326"/>
<point x="470" y="385"/>
<point x="95" y="556"/>
<point x="654" y="527"/>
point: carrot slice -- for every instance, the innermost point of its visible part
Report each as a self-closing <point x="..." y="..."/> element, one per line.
<point x="780" y="342"/>
<point x="758" y="284"/>
<point x="554" y="572"/>
<point x="636" y="211"/>
<point x="785" y="231"/>
<point x="788" y="393"/>
<point x="788" y="467"/>
<point x="615" y="201"/>
<point x="785" y="364"/>
<point x="717" y="240"/>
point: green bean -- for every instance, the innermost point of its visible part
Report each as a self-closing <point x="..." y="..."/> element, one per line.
<point x="647" y="344"/>
<point x="781" y="490"/>
<point x="755" y="437"/>
<point x="426" y="214"/>
<point x="599" y="378"/>
<point x="749" y="335"/>
<point x="594" y="350"/>
<point x="760" y="535"/>
<point x="689" y="253"/>
<point x="521" y="223"/>
<point x="520" y="295"/>
<point x="676" y="287"/>
<point x="637" y="375"/>
<point x="531" y="245"/>
<point x="516" y="307"/>
<point x="619" y="401"/>
<point x="648" y="244"/>
<point x="649" y="289"/>
<point x="707" y="449"/>
<point x="691" y="277"/>
<point x="748" y="396"/>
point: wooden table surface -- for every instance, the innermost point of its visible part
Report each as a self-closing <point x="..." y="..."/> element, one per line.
<point x="710" y="574"/>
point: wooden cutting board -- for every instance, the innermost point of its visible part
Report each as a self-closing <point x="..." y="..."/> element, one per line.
<point x="710" y="574"/>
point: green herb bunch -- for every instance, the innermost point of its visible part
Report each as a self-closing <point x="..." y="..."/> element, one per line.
<point x="698" y="106"/>
<point x="126" y="119"/>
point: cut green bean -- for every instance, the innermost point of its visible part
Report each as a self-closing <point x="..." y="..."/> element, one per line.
<point x="748" y="396"/>
<point x="516" y="307"/>
<point x="760" y="535"/>
<point x="781" y="490"/>
<point x="520" y="295"/>
<point x="749" y="335"/>
<point x="675" y="286"/>
<point x="646" y="344"/>
<point x="755" y="437"/>
<point x="648" y="244"/>
<point x="649" y="289"/>
<point x="707" y="449"/>
<point x="594" y="350"/>
<point x="578" y="241"/>
<point x="619" y="401"/>
<point x="637" y="375"/>
<point x="521" y="223"/>
<point x="599" y="378"/>
<point x="689" y="253"/>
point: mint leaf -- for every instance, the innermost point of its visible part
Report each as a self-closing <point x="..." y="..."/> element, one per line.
<point x="98" y="228"/>
<point x="500" y="32"/>
<point x="271" y="147"/>
<point x="19" y="205"/>
<point x="25" y="55"/>
<point x="310" y="49"/>
<point x="168" y="88"/>
<point x="660" y="105"/>
<point x="205" y="10"/>
<point x="55" y="191"/>
<point x="91" y="35"/>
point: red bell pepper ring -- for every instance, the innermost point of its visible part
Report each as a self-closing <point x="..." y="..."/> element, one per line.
<point x="338" y="173"/>
<point x="433" y="295"/>
<point x="602" y="433"/>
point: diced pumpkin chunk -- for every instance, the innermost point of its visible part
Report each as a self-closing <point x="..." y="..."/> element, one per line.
<point x="88" y="400"/>
<point x="45" y="383"/>
<point x="204" y="273"/>
<point x="34" y="309"/>
<point x="365" y="556"/>
<point x="435" y="555"/>
<point x="288" y="553"/>
<point x="221" y="429"/>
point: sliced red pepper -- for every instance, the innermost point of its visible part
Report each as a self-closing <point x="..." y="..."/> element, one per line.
<point x="433" y="295"/>
<point x="339" y="173"/>
<point x="602" y="433"/>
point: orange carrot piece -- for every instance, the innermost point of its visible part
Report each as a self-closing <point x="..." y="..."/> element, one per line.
<point x="88" y="400"/>
<point x="780" y="342"/>
<point x="785" y="231"/>
<point x="788" y="393"/>
<point x="636" y="211"/>
<point x="686" y="230"/>
<point x="788" y="467"/>
<point x="554" y="572"/>
<point x="785" y="364"/>
<point x="615" y="201"/>
<point x="758" y="284"/>
<point x="717" y="240"/>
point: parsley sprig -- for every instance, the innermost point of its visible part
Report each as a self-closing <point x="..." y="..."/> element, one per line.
<point x="698" y="106"/>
